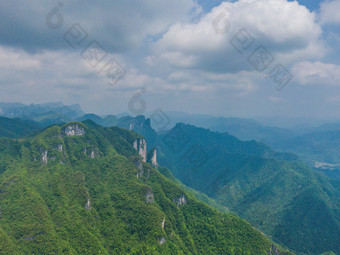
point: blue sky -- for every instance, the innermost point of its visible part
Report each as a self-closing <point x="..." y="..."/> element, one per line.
<point x="310" y="4"/>
<point x="214" y="57"/>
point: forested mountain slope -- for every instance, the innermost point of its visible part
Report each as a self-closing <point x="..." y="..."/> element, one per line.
<point x="278" y="194"/>
<point x="16" y="128"/>
<point x="83" y="189"/>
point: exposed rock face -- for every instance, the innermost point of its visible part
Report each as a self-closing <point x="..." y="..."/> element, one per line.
<point x="181" y="201"/>
<point x="44" y="157"/>
<point x="273" y="251"/>
<point x="92" y="154"/>
<point x="88" y="204"/>
<point x="74" y="129"/>
<point x="163" y="223"/>
<point x="139" y="122"/>
<point x="140" y="168"/>
<point x="140" y="146"/>
<point x="163" y="240"/>
<point x="60" y="147"/>
<point x="154" y="158"/>
<point x="135" y="145"/>
<point x="149" y="197"/>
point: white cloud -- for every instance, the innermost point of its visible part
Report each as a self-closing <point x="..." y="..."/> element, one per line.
<point x="288" y="30"/>
<point x="11" y="59"/>
<point x="329" y="12"/>
<point x="118" y="25"/>
<point x="317" y="73"/>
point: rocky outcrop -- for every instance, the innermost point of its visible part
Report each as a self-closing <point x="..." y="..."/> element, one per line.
<point x="149" y="197"/>
<point x="44" y="157"/>
<point x="162" y="240"/>
<point x="140" y="146"/>
<point x="88" y="204"/>
<point x="154" y="158"/>
<point x="138" y="123"/>
<point x="74" y="129"/>
<point x="163" y="223"/>
<point x="60" y="147"/>
<point x="273" y="250"/>
<point x="140" y="168"/>
<point x="181" y="200"/>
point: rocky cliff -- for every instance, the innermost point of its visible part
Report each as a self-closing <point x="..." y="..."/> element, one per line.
<point x="140" y="146"/>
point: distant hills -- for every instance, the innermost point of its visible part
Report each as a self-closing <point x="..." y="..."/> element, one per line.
<point x="318" y="143"/>
<point x="44" y="114"/>
<point x="16" y="128"/>
<point x="244" y="129"/>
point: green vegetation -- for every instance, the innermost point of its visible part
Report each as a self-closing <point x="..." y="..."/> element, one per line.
<point x="282" y="197"/>
<point x="16" y="128"/>
<point x="80" y="194"/>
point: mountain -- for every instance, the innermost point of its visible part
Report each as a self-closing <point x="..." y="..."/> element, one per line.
<point x="139" y="124"/>
<point x="244" y="129"/>
<point x="80" y="188"/>
<point x="317" y="146"/>
<point x="45" y="114"/>
<point x="107" y="121"/>
<point x="16" y="128"/>
<point x="320" y="148"/>
<point x="277" y="193"/>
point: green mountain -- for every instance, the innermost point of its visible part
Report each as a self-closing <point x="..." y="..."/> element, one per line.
<point x="316" y="145"/>
<point x="244" y="129"/>
<point x="85" y="189"/>
<point x="107" y="121"/>
<point x="138" y="124"/>
<point x="16" y="128"/>
<point x="278" y="194"/>
<point x="319" y="149"/>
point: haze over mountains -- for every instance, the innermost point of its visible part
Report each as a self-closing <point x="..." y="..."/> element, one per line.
<point x="170" y="127"/>
<point x="290" y="201"/>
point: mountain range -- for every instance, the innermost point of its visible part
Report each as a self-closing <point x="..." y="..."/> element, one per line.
<point x="80" y="188"/>
<point x="273" y="189"/>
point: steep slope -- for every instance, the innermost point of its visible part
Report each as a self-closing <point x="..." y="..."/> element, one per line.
<point x="83" y="189"/>
<point x="286" y="199"/>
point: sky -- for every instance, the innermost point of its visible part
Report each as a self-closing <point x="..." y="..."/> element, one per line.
<point x="245" y="58"/>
